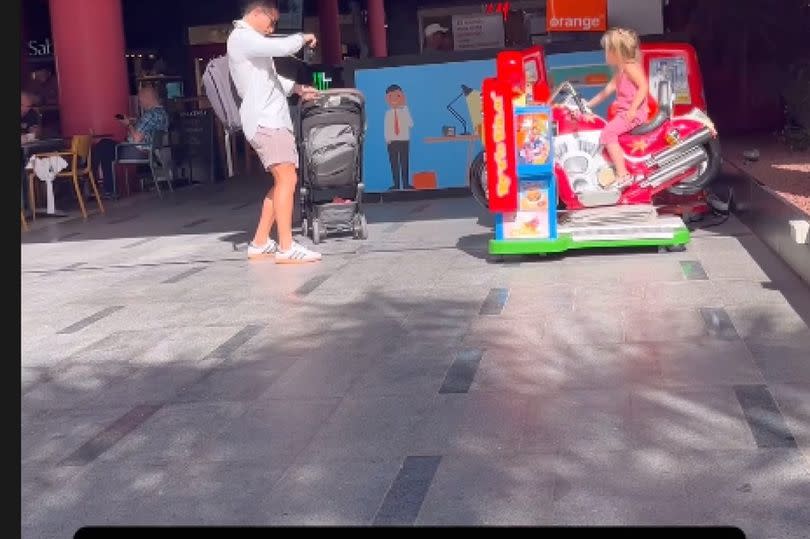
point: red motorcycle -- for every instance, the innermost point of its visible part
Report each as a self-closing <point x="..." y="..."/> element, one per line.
<point x="679" y="154"/>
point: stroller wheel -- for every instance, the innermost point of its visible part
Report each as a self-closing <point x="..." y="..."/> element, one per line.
<point x="359" y="227"/>
<point x="316" y="231"/>
<point x="356" y="227"/>
<point x="363" y="227"/>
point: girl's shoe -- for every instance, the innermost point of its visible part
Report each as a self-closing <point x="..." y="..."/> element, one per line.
<point x="625" y="181"/>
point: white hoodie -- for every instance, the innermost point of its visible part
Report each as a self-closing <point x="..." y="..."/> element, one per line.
<point x="263" y="91"/>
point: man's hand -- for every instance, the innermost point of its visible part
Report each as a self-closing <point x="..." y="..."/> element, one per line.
<point x="305" y="92"/>
<point x="310" y="40"/>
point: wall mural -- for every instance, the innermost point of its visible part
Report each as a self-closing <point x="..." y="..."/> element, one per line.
<point x="424" y="121"/>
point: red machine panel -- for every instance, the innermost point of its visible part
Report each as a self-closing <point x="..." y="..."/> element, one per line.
<point x="499" y="145"/>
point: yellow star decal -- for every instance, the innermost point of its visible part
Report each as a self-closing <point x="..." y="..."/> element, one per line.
<point x="639" y="146"/>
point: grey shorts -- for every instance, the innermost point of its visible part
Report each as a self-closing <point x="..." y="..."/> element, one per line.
<point x="275" y="147"/>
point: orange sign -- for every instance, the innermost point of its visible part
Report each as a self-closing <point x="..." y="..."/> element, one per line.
<point x="576" y="15"/>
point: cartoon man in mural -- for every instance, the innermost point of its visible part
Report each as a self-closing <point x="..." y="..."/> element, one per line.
<point x="398" y="124"/>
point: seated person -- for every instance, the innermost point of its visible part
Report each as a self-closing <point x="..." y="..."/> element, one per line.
<point x="154" y="119"/>
<point x="44" y="85"/>
<point x="30" y="128"/>
<point x="30" y="119"/>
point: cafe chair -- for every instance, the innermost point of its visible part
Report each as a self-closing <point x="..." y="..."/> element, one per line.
<point x="158" y="158"/>
<point x="23" y="221"/>
<point x="161" y="164"/>
<point x="79" y="160"/>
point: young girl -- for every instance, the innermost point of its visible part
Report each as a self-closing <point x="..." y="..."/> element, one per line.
<point x="622" y="54"/>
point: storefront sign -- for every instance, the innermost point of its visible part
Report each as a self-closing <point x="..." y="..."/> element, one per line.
<point x="472" y="32"/>
<point x="40" y="48"/>
<point x="576" y="15"/>
<point x="498" y="7"/>
<point x="197" y="140"/>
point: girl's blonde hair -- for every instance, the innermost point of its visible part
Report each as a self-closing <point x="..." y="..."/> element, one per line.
<point x="622" y="42"/>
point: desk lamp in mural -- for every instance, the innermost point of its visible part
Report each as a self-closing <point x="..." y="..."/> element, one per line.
<point x="472" y="99"/>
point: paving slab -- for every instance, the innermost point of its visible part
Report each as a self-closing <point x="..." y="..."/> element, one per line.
<point x="484" y="491"/>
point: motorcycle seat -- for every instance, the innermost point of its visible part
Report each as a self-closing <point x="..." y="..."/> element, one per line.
<point x="660" y="110"/>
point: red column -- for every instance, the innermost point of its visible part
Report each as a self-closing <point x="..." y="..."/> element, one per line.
<point x="376" y="28"/>
<point x="88" y="42"/>
<point x="329" y="20"/>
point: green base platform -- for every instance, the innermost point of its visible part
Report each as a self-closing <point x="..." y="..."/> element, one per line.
<point x="566" y="242"/>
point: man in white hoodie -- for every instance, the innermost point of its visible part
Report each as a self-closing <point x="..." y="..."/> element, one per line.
<point x="267" y="124"/>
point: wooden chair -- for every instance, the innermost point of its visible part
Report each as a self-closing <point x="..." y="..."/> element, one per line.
<point x="79" y="160"/>
<point x="23" y="221"/>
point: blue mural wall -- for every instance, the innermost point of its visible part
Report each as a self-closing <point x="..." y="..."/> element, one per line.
<point x="428" y="89"/>
<point x="587" y="71"/>
<point x="434" y="159"/>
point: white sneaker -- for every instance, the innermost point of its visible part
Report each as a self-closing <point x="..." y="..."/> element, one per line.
<point x="297" y="254"/>
<point x="269" y="249"/>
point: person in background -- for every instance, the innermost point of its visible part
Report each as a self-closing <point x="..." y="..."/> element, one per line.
<point x="30" y="129"/>
<point x="44" y="85"/>
<point x="153" y="119"/>
<point x="160" y="67"/>
<point x="30" y="119"/>
<point x="267" y="124"/>
<point x="437" y="38"/>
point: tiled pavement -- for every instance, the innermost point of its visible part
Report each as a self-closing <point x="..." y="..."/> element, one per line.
<point x="405" y="380"/>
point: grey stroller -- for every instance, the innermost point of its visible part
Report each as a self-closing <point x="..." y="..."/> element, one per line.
<point x="331" y="130"/>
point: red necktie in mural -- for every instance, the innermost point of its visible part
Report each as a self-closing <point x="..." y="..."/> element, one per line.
<point x="396" y="123"/>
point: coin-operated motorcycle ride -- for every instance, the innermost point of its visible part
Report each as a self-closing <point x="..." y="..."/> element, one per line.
<point x="679" y="154"/>
<point x="669" y="153"/>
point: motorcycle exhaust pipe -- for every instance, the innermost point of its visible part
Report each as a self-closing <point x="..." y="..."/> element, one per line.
<point x="670" y="170"/>
<point x="662" y="157"/>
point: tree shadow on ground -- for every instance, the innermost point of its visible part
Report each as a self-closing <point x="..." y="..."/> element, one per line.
<point x="307" y="422"/>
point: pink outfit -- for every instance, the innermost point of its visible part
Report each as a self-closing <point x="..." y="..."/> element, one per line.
<point x="625" y="93"/>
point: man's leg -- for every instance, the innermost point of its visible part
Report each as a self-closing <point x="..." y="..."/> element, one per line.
<point x="404" y="158"/>
<point x="277" y="150"/>
<point x="103" y="156"/>
<point x="393" y="158"/>
<point x="288" y="252"/>
<point x="262" y="246"/>
<point x="266" y="218"/>
<point x="285" y="178"/>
